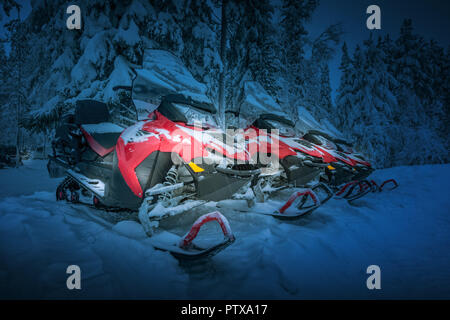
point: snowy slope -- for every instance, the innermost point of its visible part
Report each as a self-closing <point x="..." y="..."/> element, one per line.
<point x="323" y="255"/>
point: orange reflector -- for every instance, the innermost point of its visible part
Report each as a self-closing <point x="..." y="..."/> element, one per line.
<point x="331" y="167"/>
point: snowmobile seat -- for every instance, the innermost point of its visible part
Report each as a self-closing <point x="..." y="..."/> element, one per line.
<point x="94" y="120"/>
<point x="105" y="133"/>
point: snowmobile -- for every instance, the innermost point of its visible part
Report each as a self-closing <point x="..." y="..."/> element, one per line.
<point x="283" y="168"/>
<point x="162" y="166"/>
<point x="304" y="159"/>
<point x="357" y="168"/>
<point x="344" y="171"/>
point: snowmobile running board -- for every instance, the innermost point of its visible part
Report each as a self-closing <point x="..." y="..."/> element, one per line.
<point x="94" y="185"/>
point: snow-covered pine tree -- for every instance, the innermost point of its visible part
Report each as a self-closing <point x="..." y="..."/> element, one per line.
<point x="344" y="97"/>
<point x="201" y="43"/>
<point x="367" y="103"/>
<point x="294" y="39"/>
<point x="445" y="131"/>
<point x="436" y="102"/>
<point x="305" y="73"/>
<point x="419" y="106"/>
<point x="7" y="112"/>
<point x="317" y="87"/>
<point x="88" y="63"/>
<point x="17" y="34"/>
<point x="325" y="101"/>
<point x="253" y="53"/>
<point x="408" y="72"/>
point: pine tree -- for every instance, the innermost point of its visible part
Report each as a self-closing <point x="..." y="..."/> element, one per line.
<point x="366" y="102"/>
<point x="201" y="43"/>
<point x="345" y="90"/>
<point x="296" y="71"/>
<point x="325" y="103"/>
<point x="17" y="33"/>
<point x="253" y="53"/>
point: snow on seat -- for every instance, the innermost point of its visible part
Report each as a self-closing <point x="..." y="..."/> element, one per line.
<point x="102" y="128"/>
<point x="102" y="137"/>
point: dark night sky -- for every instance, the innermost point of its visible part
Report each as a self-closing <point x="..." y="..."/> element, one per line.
<point x="430" y="19"/>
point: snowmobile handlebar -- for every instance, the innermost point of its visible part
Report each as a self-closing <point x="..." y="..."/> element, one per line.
<point x="241" y="173"/>
<point x="235" y="113"/>
<point x="128" y="88"/>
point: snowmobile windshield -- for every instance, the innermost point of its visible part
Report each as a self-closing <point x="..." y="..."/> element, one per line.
<point x="283" y="128"/>
<point x="178" y="108"/>
<point x="326" y="143"/>
<point x="195" y="116"/>
<point x="146" y="95"/>
<point x="344" y="147"/>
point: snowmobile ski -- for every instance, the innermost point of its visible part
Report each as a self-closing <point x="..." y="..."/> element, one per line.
<point x="353" y="190"/>
<point x="380" y="188"/>
<point x="183" y="248"/>
<point x="301" y="202"/>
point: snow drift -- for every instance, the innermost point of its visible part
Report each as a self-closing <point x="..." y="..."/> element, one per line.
<point x="323" y="255"/>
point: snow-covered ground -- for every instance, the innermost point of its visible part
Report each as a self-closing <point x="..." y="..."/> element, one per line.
<point x="323" y="255"/>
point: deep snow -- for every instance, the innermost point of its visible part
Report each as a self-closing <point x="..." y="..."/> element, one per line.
<point x="323" y="255"/>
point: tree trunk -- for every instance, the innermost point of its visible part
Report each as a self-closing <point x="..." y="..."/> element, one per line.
<point x="44" y="153"/>
<point x="19" y="98"/>
<point x="223" y="47"/>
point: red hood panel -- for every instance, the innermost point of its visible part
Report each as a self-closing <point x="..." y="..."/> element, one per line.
<point x="137" y="142"/>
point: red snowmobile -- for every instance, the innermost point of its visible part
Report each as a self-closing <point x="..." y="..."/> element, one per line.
<point x="162" y="166"/>
<point x="284" y="168"/>
<point x="333" y="161"/>
<point x="355" y="168"/>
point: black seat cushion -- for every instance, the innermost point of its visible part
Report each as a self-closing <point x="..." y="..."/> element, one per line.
<point x="91" y="112"/>
<point x="106" y="140"/>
